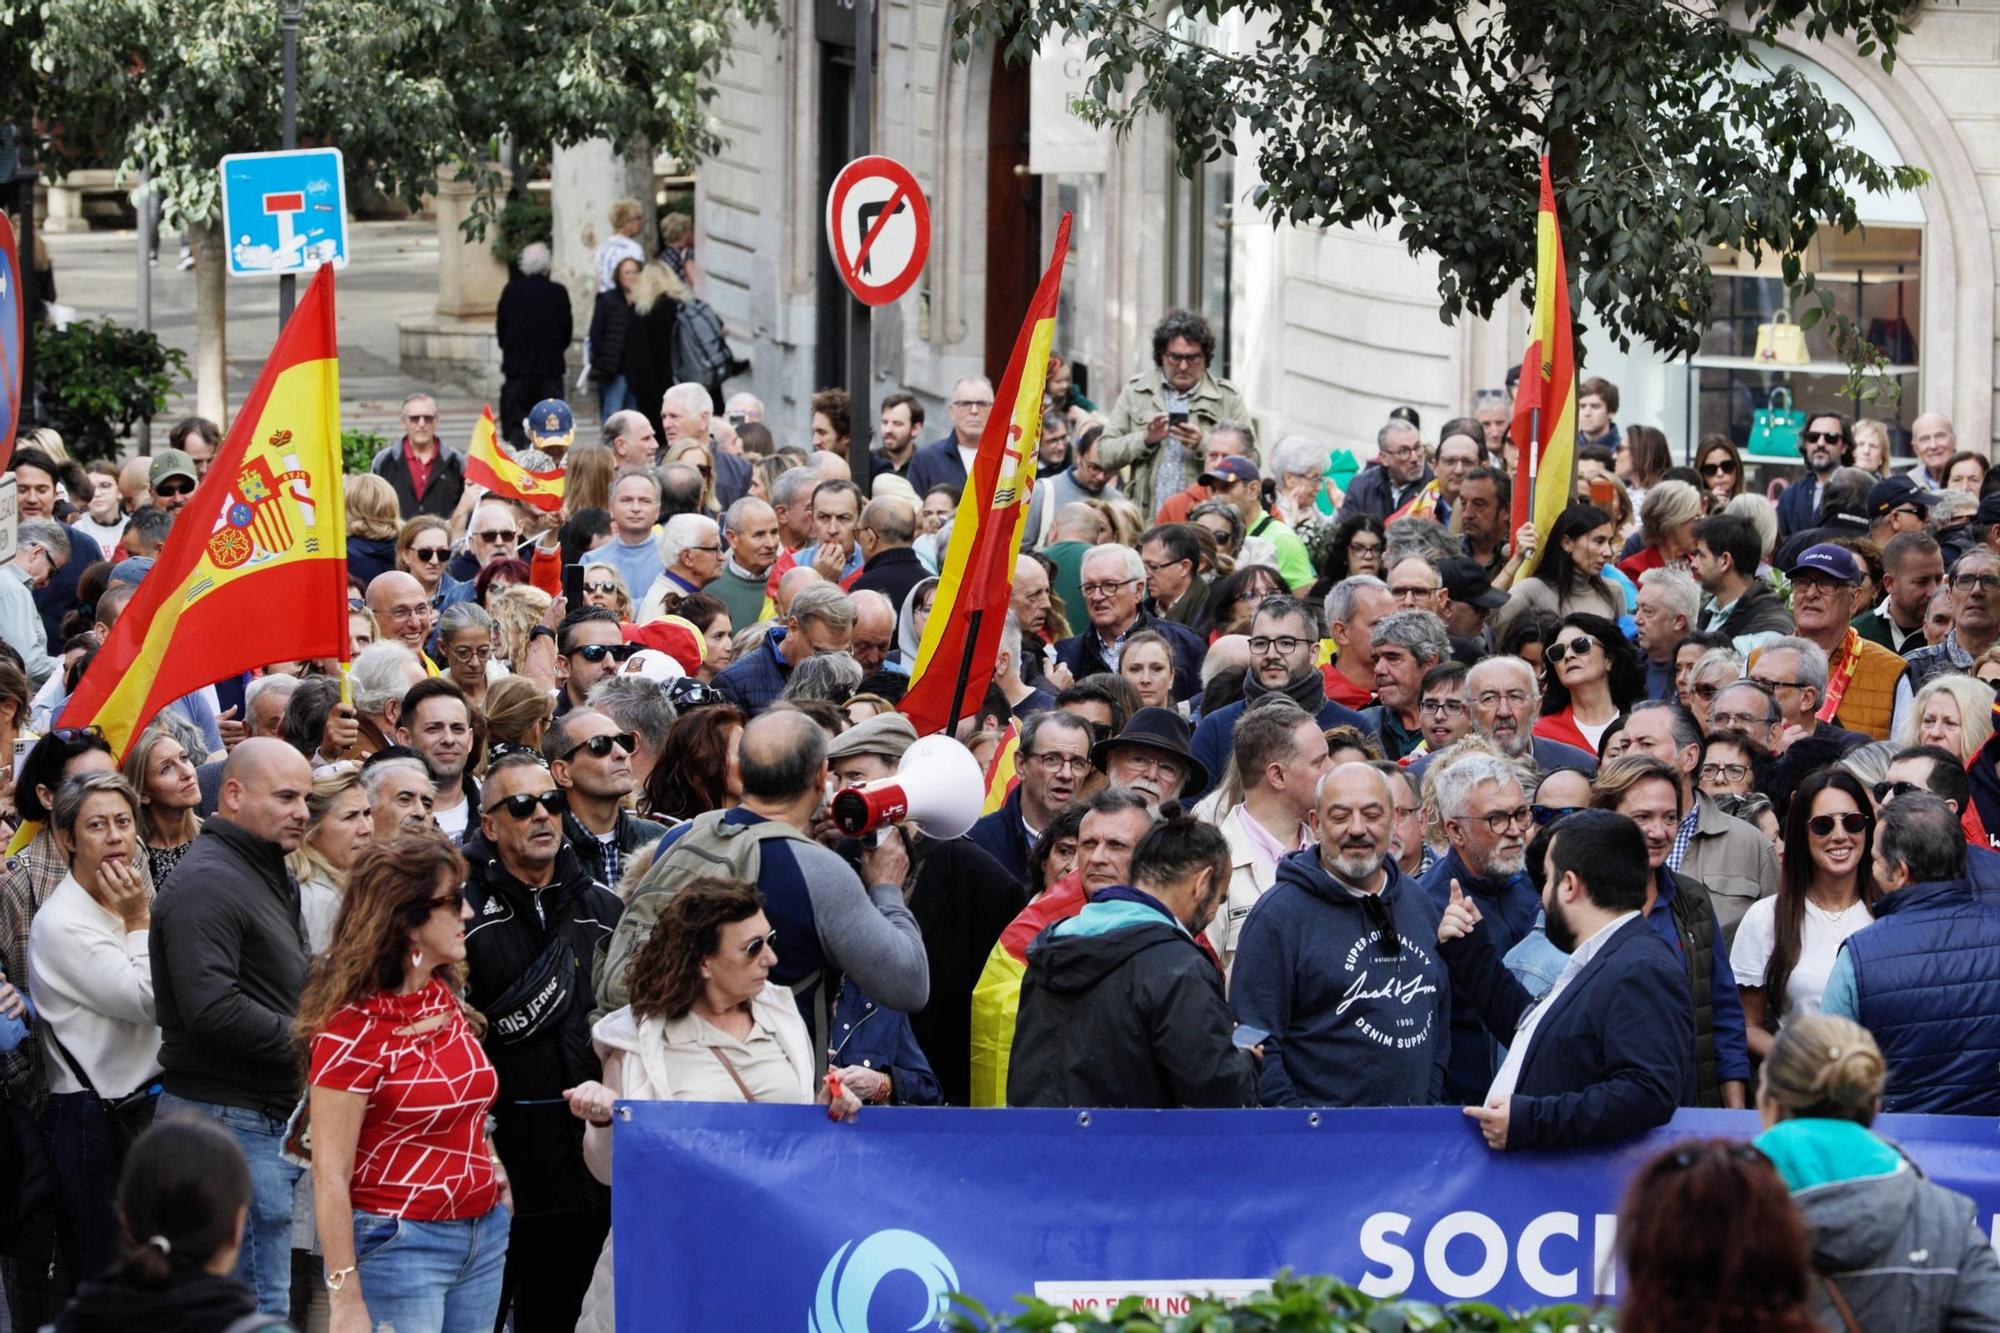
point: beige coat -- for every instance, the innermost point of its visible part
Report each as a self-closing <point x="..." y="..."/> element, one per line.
<point x="1123" y="444"/>
<point x="1251" y="875"/>
<point x="1734" y="860"/>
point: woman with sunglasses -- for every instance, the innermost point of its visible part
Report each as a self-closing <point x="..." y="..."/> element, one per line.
<point x="160" y="771"/>
<point x="411" y="1202"/>
<point x="1952" y="711"/>
<point x="1580" y="544"/>
<point x="705" y="1024"/>
<point x="1901" y="1252"/>
<point x="423" y="550"/>
<point x="1721" y="468"/>
<point x="604" y="586"/>
<point x="1590" y="676"/>
<point x="1785" y="944"/>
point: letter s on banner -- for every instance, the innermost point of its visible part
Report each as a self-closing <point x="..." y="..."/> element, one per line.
<point x="1378" y="1248"/>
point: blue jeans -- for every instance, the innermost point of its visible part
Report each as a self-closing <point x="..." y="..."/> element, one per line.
<point x="265" y="1265"/>
<point x="615" y="396"/>
<point x="85" y="1158"/>
<point x="431" y="1277"/>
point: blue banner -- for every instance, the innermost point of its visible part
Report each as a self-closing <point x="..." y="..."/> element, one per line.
<point x="772" y="1217"/>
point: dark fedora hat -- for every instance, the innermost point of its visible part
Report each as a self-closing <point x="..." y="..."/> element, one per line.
<point x="1157" y="729"/>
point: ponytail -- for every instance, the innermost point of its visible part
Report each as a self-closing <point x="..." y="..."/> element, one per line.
<point x="185" y="1184"/>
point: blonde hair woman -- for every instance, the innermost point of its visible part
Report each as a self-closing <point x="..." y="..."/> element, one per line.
<point x="1871" y="445"/>
<point x="423" y="549"/>
<point x="1953" y="711"/>
<point x="516" y="610"/>
<point x="517" y="714"/>
<point x="373" y="523"/>
<point x="587" y="470"/>
<point x="162" y="775"/>
<point x="338" y="827"/>
<point x="695" y="454"/>
<point x="604" y="586"/>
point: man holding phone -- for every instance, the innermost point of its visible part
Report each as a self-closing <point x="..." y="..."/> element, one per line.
<point x="1162" y="415"/>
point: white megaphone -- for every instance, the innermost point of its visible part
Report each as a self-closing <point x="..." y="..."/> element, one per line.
<point x="938" y="786"/>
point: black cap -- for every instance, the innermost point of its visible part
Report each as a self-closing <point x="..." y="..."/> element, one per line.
<point x="1466" y="581"/>
<point x="1895" y="492"/>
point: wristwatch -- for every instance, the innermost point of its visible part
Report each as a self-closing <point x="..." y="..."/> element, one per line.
<point x="540" y="630"/>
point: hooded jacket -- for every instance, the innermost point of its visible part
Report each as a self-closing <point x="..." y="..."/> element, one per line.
<point x="1120" y="1008"/>
<point x="1906" y="1254"/>
<point x="1348" y="1024"/>
<point x="188" y="1303"/>
<point x="540" y="1142"/>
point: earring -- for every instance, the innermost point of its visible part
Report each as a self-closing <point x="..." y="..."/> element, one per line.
<point x="416" y="959"/>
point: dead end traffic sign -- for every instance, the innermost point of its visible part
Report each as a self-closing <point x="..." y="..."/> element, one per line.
<point x="878" y="226"/>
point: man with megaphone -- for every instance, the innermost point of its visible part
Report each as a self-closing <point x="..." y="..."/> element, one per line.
<point x="961" y="897"/>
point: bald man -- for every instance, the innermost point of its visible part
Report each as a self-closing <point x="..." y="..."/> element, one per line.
<point x="401" y="609"/>
<point x="228" y="962"/>
<point x="874" y="636"/>
<point x="889" y="561"/>
<point x="796" y="578"/>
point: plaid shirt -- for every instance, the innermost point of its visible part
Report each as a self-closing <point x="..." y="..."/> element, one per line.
<point x="25" y="885"/>
<point x="1683" y="836"/>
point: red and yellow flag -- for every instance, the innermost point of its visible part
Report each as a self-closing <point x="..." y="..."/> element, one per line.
<point x="487" y="464"/>
<point x="1003" y="774"/>
<point x="975" y="580"/>
<point x="1544" y="426"/>
<point x="255" y="570"/>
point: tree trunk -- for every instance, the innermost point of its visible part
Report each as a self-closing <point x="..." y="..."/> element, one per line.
<point x="211" y="349"/>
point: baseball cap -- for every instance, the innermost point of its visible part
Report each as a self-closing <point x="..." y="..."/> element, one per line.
<point x="1229" y="471"/>
<point x="551" y="424"/>
<point x="1466" y="581"/>
<point x="1989" y="510"/>
<point x="1831" y="559"/>
<point x="131" y="569"/>
<point x="654" y="665"/>
<point x="1895" y="492"/>
<point x="170" y="463"/>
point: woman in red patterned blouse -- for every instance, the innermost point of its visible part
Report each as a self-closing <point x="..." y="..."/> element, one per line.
<point x="410" y="1198"/>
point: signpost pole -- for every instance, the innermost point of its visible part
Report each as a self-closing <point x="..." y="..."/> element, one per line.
<point x="148" y="238"/>
<point x="288" y="26"/>
<point x="860" y="317"/>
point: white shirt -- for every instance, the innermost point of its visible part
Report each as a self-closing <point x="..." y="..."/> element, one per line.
<point x="454" y="820"/>
<point x="1524" y="1035"/>
<point x="93" y="984"/>
<point x="106" y="535"/>
<point x="1594" y="732"/>
<point x="966" y="456"/>
<point x="1820" y="936"/>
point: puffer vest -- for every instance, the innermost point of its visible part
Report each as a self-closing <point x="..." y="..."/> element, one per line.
<point x="1870" y="700"/>
<point x="1694" y="922"/>
<point x="1927" y="982"/>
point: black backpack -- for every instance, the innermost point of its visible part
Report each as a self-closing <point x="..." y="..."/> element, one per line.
<point x="701" y="352"/>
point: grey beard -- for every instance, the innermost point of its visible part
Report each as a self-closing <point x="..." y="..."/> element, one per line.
<point x="1353" y="869"/>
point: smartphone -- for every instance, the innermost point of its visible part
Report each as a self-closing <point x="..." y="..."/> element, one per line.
<point x="1177" y="418"/>
<point x="1601" y="492"/>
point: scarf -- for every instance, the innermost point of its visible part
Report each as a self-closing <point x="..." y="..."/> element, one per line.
<point x="1307" y="691"/>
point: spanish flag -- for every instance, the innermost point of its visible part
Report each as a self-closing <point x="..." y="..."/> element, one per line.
<point x="255" y="570"/>
<point x="1003" y="774"/>
<point x="975" y="580"/>
<point x="487" y="464"/>
<point x="1544" y="426"/>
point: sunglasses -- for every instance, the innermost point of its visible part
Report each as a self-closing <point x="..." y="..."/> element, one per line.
<point x="752" y="948"/>
<point x="1546" y="815"/>
<point x="497" y="535"/>
<point x="430" y="555"/>
<point x="606" y="589"/>
<point x="522" y="804"/>
<point x="1820" y="436"/>
<point x="182" y="487"/>
<point x="597" y="652"/>
<point x="1721" y="469"/>
<point x="600" y="746"/>
<point x="420" y="416"/>
<point x="1886" y="792"/>
<point x="1580" y="646"/>
<point x="1851" y="822"/>
<point x="71" y="735"/>
<point x="454" y="902"/>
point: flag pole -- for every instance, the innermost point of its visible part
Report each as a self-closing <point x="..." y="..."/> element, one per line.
<point x="964" y="671"/>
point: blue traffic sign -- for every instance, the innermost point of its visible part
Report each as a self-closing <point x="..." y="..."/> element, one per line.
<point x="13" y="337"/>
<point x="284" y="212"/>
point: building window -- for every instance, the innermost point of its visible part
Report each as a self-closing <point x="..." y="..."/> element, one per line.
<point x="1199" y="217"/>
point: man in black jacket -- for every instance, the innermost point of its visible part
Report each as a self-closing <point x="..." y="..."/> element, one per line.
<point x="591" y="759"/>
<point x="538" y="920"/>
<point x="1608" y="1052"/>
<point x="428" y="478"/>
<point x="229" y="960"/>
<point x="534" y="326"/>
<point x="1120" y="1006"/>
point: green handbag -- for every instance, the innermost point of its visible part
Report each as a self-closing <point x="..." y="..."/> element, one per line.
<point x="1775" y="427"/>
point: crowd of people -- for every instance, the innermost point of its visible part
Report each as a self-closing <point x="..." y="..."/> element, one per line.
<point x="1323" y="795"/>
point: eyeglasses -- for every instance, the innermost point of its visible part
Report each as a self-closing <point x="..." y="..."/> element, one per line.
<point x="1739" y="721"/>
<point x="522" y="804"/>
<point x="420" y="416"/>
<point x="1853" y="821"/>
<point x="1183" y="358"/>
<point x="1886" y="792"/>
<point x="711" y="550"/>
<point x="1721" y="469"/>
<point x="1368" y="547"/>
<point x="1975" y="582"/>
<point x="607" y="588"/>
<point x="1820" y="436"/>
<point x="1091" y="590"/>
<point x="972" y="404"/>
<point x="497" y="535"/>
<point x="1501" y="820"/>
<point x="1443" y="707"/>
<point x="1490" y="699"/>
<point x="1164" y="564"/>
<point x="597" y="652"/>
<point x="1284" y="644"/>
<point x="454" y="901"/>
<point x="472" y="652"/>
<point x="430" y="555"/>
<point x="1724" y="772"/>
<point x="180" y="487"/>
<point x="1052" y="763"/>
<point x="600" y="746"/>
<point x="1580" y="646"/>
<point x="753" y="947"/>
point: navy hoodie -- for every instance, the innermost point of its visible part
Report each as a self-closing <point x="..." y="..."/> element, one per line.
<point x="1349" y="1023"/>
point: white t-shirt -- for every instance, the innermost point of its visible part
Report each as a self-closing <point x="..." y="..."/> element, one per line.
<point x="106" y="536"/>
<point x="1594" y="732"/>
<point x="1819" y="941"/>
<point x="454" y="820"/>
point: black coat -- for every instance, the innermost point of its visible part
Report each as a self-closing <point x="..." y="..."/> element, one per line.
<point x="540" y="1142"/>
<point x="440" y="498"/>
<point x="609" y="320"/>
<point x="369" y="556"/>
<point x="649" y="357"/>
<point x="534" y="326"/>
<point x="1120" y="1007"/>
<point x="894" y="573"/>
<point x="962" y="900"/>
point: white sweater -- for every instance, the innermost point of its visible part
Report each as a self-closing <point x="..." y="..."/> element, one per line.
<point x="93" y="984"/>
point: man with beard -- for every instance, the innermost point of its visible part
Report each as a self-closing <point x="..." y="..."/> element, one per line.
<point x="1505" y="700"/>
<point x="400" y="795"/>
<point x="1284" y="637"/>
<point x="1487" y="824"/>
<point x="436" y="722"/>
<point x="1484" y="500"/>
<point x="1151" y="759"/>
<point x="1607" y="1053"/>
<point x="1053" y="761"/>
<point x="1825" y="442"/>
<point x="1912" y="573"/>
<point x="1337" y="972"/>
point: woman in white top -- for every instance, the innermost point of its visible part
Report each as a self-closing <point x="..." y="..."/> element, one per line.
<point x="705" y="1024"/>
<point x="1785" y="944"/>
<point x="92" y="982"/>
<point x="338" y="825"/>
